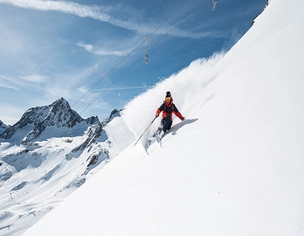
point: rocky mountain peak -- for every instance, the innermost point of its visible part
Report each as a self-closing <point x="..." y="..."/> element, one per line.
<point x="58" y="114"/>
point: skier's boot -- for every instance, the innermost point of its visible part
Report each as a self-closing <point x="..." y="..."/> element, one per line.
<point x="160" y="136"/>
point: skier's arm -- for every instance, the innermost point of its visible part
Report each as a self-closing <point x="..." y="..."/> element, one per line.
<point x="177" y="113"/>
<point x="159" y="110"/>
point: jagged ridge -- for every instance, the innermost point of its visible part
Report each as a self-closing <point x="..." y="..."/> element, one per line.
<point x="58" y="114"/>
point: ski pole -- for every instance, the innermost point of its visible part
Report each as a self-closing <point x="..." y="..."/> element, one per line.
<point x="145" y="131"/>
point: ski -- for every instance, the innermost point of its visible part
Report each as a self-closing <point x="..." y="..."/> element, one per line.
<point x="154" y="138"/>
<point x="159" y="137"/>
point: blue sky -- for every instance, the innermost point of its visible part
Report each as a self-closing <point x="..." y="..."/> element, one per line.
<point x="77" y="49"/>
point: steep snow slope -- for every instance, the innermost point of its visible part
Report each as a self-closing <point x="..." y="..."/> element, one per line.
<point x="234" y="167"/>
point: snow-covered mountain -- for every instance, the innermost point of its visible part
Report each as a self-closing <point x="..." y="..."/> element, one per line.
<point x="58" y="114"/>
<point x="45" y="156"/>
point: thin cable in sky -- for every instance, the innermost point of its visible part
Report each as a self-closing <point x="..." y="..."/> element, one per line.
<point x="106" y="89"/>
<point x="128" y="55"/>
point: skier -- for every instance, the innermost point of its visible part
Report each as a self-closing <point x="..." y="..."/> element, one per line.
<point x="168" y="107"/>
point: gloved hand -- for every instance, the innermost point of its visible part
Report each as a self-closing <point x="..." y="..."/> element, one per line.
<point x="183" y="118"/>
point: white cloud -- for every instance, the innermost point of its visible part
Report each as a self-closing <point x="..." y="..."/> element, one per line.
<point x="34" y="78"/>
<point x="100" y="13"/>
<point x="99" y="51"/>
<point x="10" y="83"/>
<point x="61" y="6"/>
<point x="87" y="47"/>
<point x="3" y="85"/>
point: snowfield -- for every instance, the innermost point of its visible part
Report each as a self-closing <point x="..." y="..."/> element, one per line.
<point x="234" y="167"/>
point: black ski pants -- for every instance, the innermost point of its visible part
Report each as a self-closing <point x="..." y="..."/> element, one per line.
<point x="166" y="123"/>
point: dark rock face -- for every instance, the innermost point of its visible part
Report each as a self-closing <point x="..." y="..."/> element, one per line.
<point x="114" y="113"/>
<point x="2" y="127"/>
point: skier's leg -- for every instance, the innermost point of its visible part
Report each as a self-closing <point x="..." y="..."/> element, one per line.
<point x="167" y="124"/>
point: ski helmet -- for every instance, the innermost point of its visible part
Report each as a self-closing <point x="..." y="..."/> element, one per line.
<point x="168" y="94"/>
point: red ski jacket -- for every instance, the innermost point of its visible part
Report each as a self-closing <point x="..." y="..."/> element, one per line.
<point x="168" y="109"/>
